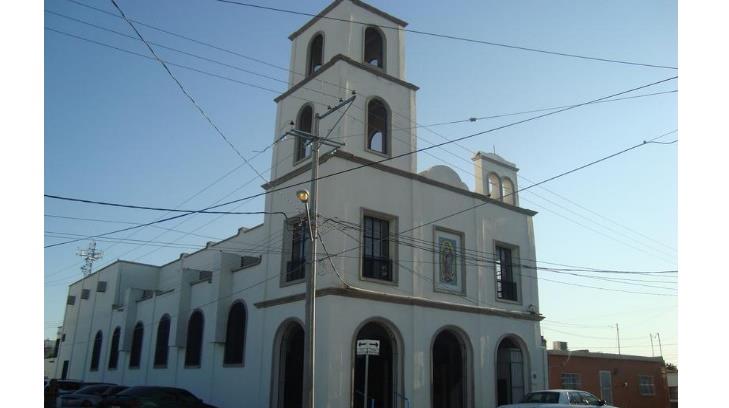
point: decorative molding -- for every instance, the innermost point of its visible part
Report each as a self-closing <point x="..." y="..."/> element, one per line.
<point x="331" y="7"/>
<point x="358" y="293"/>
<point x="341" y="57"/>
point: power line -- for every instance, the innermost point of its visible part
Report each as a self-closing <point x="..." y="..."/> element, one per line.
<point x="425" y="148"/>
<point x="449" y="37"/>
<point x="238" y="68"/>
<point x="184" y="91"/>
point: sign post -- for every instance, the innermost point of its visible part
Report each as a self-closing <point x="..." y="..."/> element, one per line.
<point x="367" y="348"/>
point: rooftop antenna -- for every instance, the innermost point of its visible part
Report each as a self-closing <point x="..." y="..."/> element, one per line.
<point x="494" y="146"/>
<point x="89" y="255"/>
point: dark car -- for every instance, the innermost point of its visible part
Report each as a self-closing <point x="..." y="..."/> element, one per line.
<point x="89" y="396"/>
<point x="153" y="396"/>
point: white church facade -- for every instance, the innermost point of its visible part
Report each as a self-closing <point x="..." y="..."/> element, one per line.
<point x="453" y="300"/>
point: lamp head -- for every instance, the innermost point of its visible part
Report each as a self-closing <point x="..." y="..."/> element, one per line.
<point x="303" y="196"/>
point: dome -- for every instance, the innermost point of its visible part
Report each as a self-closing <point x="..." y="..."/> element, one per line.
<point x="444" y="174"/>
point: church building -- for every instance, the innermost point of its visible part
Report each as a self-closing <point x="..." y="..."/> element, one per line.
<point x="442" y="275"/>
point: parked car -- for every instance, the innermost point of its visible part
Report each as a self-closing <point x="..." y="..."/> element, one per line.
<point x="89" y="396"/>
<point x="558" y="399"/>
<point x="153" y="396"/>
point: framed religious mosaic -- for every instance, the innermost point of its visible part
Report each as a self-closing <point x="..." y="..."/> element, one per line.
<point x="449" y="266"/>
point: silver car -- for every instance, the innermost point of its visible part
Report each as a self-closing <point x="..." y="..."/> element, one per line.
<point x="88" y="396"/>
<point x="558" y="399"/>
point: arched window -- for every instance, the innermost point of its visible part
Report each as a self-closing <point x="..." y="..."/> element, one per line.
<point x="316" y="54"/>
<point x="494" y="186"/>
<point x="163" y="338"/>
<point x="235" y="335"/>
<point x="507" y="191"/>
<point x="383" y="369"/>
<point x="304" y="123"/>
<point x="374" y="47"/>
<point x="114" y="351"/>
<point x="288" y="366"/>
<point x="137" y="336"/>
<point x="377" y="126"/>
<point x="193" y="347"/>
<point x="96" y="353"/>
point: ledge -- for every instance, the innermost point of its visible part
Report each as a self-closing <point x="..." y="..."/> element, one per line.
<point x="383" y="167"/>
<point x="358" y="293"/>
<point x="340" y="57"/>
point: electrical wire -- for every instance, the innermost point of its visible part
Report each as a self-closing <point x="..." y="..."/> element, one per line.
<point x="445" y="36"/>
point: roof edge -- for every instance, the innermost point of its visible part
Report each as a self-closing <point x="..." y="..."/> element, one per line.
<point x="358" y="3"/>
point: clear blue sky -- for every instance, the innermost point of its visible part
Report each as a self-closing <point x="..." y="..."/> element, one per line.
<point x="118" y="129"/>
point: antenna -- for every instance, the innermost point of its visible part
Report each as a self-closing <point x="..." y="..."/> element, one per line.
<point x="89" y="255"/>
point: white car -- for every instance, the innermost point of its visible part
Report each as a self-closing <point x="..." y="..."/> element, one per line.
<point x="558" y="399"/>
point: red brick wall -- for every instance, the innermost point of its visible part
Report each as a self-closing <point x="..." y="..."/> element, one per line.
<point x="623" y="371"/>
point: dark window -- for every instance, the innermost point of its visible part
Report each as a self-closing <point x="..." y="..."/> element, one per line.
<point x="96" y="352"/>
<point x="136" y="354"/>
<point x="114" y="351"/>
<point x="304" y="123"/>
<point x="71" y="300"/>
<point x="101" y="286"/>
<point x="249" y="261"/>
<point x="235" y="335"/>
<point x="163" y="338"/>
<point x="300" y="242"/>
<point x="376" y="261"/>
<point x="377" y="126"/>
<point x="316" y="54"/>
<point x="374" y="48"/>
<point x="84" y="293"/>
<point x="646" y="386"/>
<point x="193" y="347"/>
<point x="505" y="283"/>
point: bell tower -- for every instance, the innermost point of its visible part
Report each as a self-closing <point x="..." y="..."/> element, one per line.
<point x="350" y="47"/>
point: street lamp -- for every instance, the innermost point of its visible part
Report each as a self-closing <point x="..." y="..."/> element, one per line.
<point x="303" y="196"/>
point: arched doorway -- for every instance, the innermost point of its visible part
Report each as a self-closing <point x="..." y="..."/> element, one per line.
<point x="449" y="375"/>
<point x="510" y="372"/>
<point x="382" y="370"/>
<point x="289" y="366"/>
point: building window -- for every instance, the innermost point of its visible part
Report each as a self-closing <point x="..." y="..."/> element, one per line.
<point x="570" y="381"/>
<point x="136" y="354"/>
<point x="374" y="47"/>
<point x="296" y="265"/>
<point x="162" y="345"/>
<point x="377" y="126"/>
<point x="71" y="300"/>
<point x="114" y="351"/>
<point x="507" y="191"/>
<point x="494" y="187"/>
<point x="645" y="385"/>
<point x="96" y="352"/>
<point x="506" y="287"/>
<point x="235" y="335"/>
<point x="316" y="54"/>
<point x="304" y="123"/>
<point x="672" y="393"/>
<point x="85" y="294"/>
<point x="376" y="257"/>
<point x="193" y="347"/>
<point x="101" y="286"/>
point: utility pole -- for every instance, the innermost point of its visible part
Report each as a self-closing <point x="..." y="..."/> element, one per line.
<point x="89" y="255"/>
<point x="617" y="329"/>
<point x="311" y="212"/>
<point x="653" y="352"/>
<point x="660" y="348"/>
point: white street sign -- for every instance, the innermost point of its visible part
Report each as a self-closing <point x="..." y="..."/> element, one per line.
<point x="368" y="347"/>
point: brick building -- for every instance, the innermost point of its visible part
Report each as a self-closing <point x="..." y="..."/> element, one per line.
<point x="622" y="380"/>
